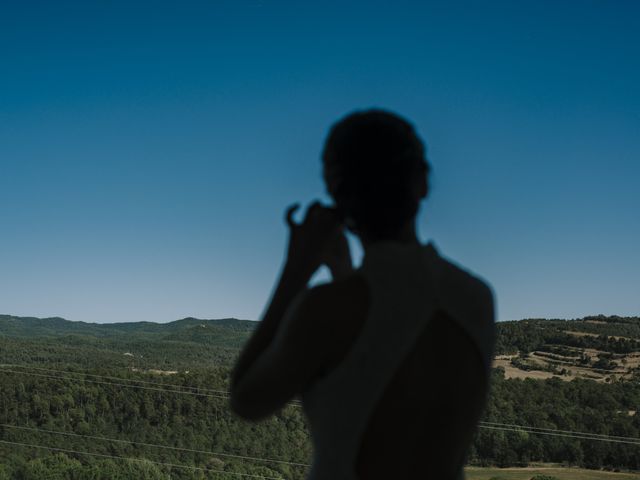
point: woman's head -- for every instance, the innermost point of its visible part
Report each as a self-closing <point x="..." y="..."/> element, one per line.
<point x="376" y="171"/>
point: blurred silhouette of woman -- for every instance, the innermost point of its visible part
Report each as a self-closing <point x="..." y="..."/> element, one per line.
<point x="391" y="359"/>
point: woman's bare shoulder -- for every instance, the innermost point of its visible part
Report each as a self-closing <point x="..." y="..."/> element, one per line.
<point x="460" y="282"/>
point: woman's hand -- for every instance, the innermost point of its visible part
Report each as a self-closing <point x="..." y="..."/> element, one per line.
<point x="338" y="257"/>
<point x="318" y="240"/>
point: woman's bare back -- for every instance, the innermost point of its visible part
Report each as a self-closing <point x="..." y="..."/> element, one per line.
<point x="412" y="430"/>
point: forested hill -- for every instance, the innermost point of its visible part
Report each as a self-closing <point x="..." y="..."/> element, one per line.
<point x="597" y="347"/>
<point x="180" y="345"/>
<point x="535" y="342"/>
<point x="148" y="401"/>
<point x="56" y="326"/>
<point x="617" y="334"/>
<point x="612" y="334"/>
<point x="523" y="335"/>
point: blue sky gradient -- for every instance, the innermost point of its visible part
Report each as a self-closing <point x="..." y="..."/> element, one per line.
<point x="149" y="149"/>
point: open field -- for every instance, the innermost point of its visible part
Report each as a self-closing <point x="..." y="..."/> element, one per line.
<point x="476" y="473"/>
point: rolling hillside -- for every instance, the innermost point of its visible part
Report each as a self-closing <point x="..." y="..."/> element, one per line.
<point x="565" y="393"/>
<point x="598" y="348"/>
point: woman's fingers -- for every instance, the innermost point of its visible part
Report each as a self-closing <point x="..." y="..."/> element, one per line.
<point x="313" y="210"/>
<point x="317" y="215"/>
<point x="310" y="239"/>
<point x="289" y="215"/>
<point x="322" y="213"/>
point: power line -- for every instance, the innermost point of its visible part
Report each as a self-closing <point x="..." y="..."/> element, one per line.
<point x="142" y="460"/>
<point x="224" y="396"/>
<point x="554" y="434"/>
<point x="146" y="382"/>
<point x="141" y="387"/>
<point x="130" y="442"/>
<point x="295" y="403"/>
<point x="482" y="424"/>
<point x="217" y="391"/>
<point x="558" y="430"/>
<point x="224" y="392"/>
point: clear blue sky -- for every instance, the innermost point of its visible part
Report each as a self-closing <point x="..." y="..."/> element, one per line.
<point x="148" y="149"/>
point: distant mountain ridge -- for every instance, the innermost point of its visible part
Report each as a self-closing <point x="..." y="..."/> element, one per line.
<point x="34" y="327"/>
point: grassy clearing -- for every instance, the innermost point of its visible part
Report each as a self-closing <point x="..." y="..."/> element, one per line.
<point x="475" y="473"/>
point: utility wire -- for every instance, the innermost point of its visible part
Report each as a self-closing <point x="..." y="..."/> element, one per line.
<point x="216" y="391"/>
<point x="141" y="387"/>
<point x="143" y="460"/>
<point x="224" y="396"/>
<point x="554" y="434"/>
<point x="487" y="425"/>
<point x="146" y="382"/>
<point x="130" y="442"/>
<point x="172" y="385"/>
<point x="223" y="392"/>
<point x="561" y="431"/>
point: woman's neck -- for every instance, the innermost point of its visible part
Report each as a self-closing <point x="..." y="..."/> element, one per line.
<point x="406" y="234"/>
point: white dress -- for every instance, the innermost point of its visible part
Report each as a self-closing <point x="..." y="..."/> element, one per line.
<point x="407" y="284"/>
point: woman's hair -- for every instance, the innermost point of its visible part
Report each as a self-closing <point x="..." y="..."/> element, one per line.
<point x="370" y="162"/>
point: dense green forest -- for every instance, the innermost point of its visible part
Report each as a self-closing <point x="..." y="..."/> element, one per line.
<point x="148" y="401"/>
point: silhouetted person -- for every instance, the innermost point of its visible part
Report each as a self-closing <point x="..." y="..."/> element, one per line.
<point x="392" y="359"/>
